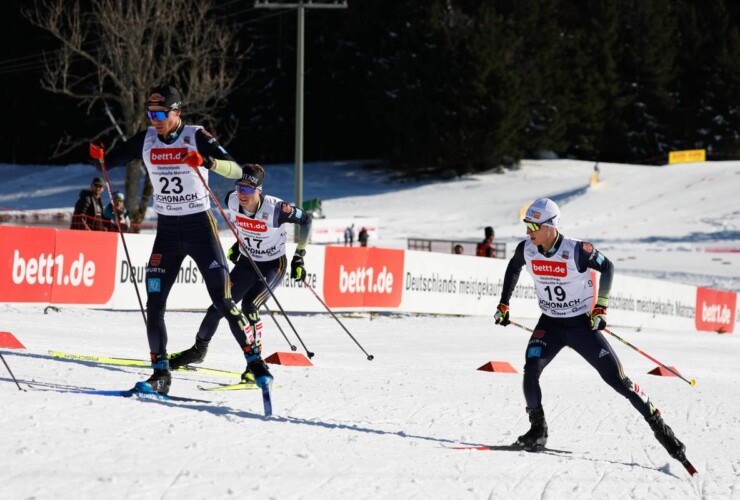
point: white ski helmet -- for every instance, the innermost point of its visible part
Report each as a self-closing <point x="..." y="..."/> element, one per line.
<point x="543" y="211"/>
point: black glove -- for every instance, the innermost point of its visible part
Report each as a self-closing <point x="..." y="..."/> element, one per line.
<point x="502" y="315"/>
<point x="297" y="269"/>
<point x="598" y="318"/>
<point x="234" y="254"/>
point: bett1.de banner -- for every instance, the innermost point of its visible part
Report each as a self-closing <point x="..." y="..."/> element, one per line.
<point x="90" y="269"/>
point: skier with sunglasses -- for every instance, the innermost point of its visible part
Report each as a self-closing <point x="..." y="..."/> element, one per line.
<point x="561" y="270"/>
<point x="259" y="220"/>
<point x="171" y="151"/>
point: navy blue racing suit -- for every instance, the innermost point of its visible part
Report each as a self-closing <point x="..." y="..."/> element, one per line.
<point x="552" y="334"/>
<point x="178" y="236"/>
<point x="247" y="285"/>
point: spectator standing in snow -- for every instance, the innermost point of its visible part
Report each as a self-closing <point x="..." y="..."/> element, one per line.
<point x="485" y="247"/>
<point x="109" y="214"/>
<point x="362" y="237"/>
<point x="88" y="213"/>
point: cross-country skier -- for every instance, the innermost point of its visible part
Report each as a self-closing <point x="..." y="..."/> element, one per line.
<point x="171" y="151"/>
<point x="259" y="219"/>
<point x="560" y="267"/>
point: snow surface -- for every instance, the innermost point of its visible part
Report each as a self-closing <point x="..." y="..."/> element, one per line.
<point x="352" y="428"/>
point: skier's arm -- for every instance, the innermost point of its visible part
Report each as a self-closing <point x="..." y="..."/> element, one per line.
<point x="126" y="151"/>
<point x="587" y="257"/>
<point x="511" y="278"/>
<point x="286" y="212"/>
<point x="215" y="157"/>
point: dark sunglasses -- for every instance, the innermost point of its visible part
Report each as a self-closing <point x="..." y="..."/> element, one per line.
<point x="158" y="115"/>
<point x="245" y="189"/>
<point x="534" y="226"/>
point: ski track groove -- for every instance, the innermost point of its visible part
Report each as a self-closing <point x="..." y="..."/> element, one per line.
<point x="543" y="491"/>
<point x="172" y="483"/>
<point x="318" y="488"/>
<point x="598" y="482"/>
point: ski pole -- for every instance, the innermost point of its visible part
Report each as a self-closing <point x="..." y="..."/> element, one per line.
<point x="292" y="347"/>
<point x="521" y="326"/>
<point x="11" y="372"/>
<point x="251" y="260"/>
<point x="123" y="240"/>
<point x="691" y="382"/>
<point x="370" y="357"/>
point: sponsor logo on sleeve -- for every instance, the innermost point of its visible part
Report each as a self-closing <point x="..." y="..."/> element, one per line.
<point x="715" y="310"/>
<point x="549" y="268"/>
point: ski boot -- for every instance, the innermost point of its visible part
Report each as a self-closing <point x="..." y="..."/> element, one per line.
<point x="160" y="380"/>
<point x="260" y="372"/>
<point x="536" y="436"/>
<point x="247" y="377"/>
<point x="195" y="354"/>
<point x="665" y="436"/>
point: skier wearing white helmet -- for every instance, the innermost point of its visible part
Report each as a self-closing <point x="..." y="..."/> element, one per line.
<point x="561" y="270"/>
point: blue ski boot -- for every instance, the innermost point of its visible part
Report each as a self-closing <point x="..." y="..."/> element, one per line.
<point x="260" y="372"/>
<point x="160" y="380"/>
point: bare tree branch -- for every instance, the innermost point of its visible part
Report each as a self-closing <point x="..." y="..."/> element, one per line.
<point x="117" y="51"/>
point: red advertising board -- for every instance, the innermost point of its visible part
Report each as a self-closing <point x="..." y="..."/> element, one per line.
<point x="57" y="266"/>
<point x="26" y="264"/>
<point x="715" y="310"/>
<point x="366" y="277"/>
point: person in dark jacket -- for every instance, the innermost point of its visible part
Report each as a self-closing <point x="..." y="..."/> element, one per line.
<point x="485" y="247"/>
<point x="88" y="214"/>
<point x="362" y="237"/>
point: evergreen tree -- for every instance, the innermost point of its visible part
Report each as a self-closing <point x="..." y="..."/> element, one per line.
<point x="708" y="83"/>
<point x="641" y="130"/>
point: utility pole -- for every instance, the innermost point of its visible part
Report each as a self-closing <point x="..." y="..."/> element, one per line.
<point x="300" y="6"/>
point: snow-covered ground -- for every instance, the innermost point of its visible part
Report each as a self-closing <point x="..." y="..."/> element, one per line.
<point x="348" y="427"/>
<point x="352" y="428"/>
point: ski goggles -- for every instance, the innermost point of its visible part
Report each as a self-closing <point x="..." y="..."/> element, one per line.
<point x="158" y="115"/>
<point x="535" y="226"/>
<point x="242" y="189"/>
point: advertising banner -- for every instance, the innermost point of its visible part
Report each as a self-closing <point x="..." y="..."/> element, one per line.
<point x="90" y="269"/>
<point x="28" y="266"/>
<point x="56" y="266"/>
<point x="363" y="277"/>
<point x="715" y="310"/>
<point x="688" y="156"/>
